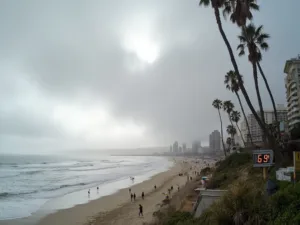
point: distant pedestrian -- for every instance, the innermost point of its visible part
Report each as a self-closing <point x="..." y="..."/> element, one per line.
<point x="172" y="188"/>
<point x="129" y="190"/>
<point x="143" y="195"/>
<point x="155" y="187"/>
<point x="89" y="192"/>
<point x="141" y="210"/>
<point x="97" y="189"/>
<point x="178" y="188"/>
<point x="131" y="196"/>
<point x="134" y="196"/>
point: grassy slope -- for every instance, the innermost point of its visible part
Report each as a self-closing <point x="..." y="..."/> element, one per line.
<point x="246" y="201"/>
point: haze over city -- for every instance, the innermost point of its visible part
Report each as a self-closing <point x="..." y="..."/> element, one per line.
<point x="125" y="74"/>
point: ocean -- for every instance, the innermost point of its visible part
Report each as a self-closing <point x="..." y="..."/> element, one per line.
<point x="29" y="182"/>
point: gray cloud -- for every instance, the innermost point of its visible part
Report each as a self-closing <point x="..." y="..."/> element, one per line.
<point x="72" y="55"/>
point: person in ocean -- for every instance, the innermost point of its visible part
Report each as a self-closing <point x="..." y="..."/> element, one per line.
<point x="134" y="196"/>
<point x="89" y="192"/>
<point x="143" y="195"/>
<point x="97" y="189"/>
<point x="140" y="210"/>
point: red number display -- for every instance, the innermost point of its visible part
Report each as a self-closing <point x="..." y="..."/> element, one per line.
<point x="259" y="158"/>
<point x="263" y="158"/>
<point x="266" y="158"/>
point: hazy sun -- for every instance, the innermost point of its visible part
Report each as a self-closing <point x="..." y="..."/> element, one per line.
<point x="144" y="48"/>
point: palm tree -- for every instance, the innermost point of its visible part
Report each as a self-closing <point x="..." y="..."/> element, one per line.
<point x="228" y="107"/>
<point x="247" y="40"/>
<point x="217" y="103"/>
<point x="232" y="84"/>
<point x="231" y="131"/>
<point x="255" y="40"/>
<point x="229" y="142"/>
<point x="216" y="5"/>
<point x="235" y="117"/>
<point x="239" y="10"/>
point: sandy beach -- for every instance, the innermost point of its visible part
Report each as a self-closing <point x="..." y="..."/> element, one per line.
<point x="117" y="208"/>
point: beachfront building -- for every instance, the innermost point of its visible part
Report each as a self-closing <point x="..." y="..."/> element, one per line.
<point x="175" y="147"/>
<point x="255" y="131"/>
<point x="215" y="141"/>
<point x="292" y="86"/>
<point x="196" y="147"/>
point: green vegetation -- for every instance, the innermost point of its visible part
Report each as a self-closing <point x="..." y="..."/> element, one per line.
<point x="246" y="201"/>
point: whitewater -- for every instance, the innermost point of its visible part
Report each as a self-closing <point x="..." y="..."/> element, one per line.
<point x="28" y="182"/>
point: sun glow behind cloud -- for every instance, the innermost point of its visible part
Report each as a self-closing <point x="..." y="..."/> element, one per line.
<point x="142" y="46"/>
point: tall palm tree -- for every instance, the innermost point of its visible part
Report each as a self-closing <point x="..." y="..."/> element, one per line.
<point x="235" y="117"/>
<point x="217" y="103"/>
<point x="231" y="131"/>
<point x="232" y="84"/>
<point x="216" y="5"/>
<point x="228" y="107"/>
<point x="247" y="41"/>
<point x="255" y="40"/>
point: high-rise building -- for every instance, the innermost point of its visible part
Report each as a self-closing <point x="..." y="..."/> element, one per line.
<point x="255" y="131"/>
<point x="184" y="147"/>
<point x="175" y="147"/>
<point x="215" y="140"/>
<point x="292" y="86"/>
<point x="196" y="146"/>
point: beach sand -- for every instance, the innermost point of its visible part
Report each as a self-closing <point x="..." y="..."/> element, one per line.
<point x="117" y="208"/>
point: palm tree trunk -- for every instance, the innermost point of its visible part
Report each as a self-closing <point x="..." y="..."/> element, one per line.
<point x="222" y="132"/>
<point x="269" y="90"/>
<point x="262" y="114"/>
<point x="241" y="134"/>
<point x="236" y="69"/>
<point x="233" y="141"/>
<point x="242" y="108"/>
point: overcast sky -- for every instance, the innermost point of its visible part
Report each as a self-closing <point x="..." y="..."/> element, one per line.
<point x="123" y="74"/>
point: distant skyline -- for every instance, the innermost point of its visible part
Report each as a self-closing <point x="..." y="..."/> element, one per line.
<point x="129" y="74"/>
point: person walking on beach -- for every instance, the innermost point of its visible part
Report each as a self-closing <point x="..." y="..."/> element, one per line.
<point x="155" y="187"/>
<point x="134" y="196"/>
<point x="89" y="192"/>
<point x="131" y="196"/>
<point x="140" y="210"/>
<point x="129" y="190"/>
<point x="143" y="195"/>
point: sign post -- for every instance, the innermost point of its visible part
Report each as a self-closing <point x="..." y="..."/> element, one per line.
<point x="296" y="164"/>
<point x="264" y="159"/>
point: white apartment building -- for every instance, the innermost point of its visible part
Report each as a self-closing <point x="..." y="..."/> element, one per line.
<point x="292" y="86"/>
<point x="256" y="132"/>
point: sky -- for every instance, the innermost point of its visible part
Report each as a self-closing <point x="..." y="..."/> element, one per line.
<point x="124" y="74"/>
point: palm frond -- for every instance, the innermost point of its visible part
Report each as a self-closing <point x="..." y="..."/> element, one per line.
<point x="258" y="31"/>
<point x="205" y="3"/>
<point x="262" y="37"/>
<point x="264" y="46"/>
<point x="253" y="6"/>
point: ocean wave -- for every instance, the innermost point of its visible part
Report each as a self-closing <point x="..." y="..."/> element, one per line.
<point x="64" y="186"/>
<point x="31" y="172"/>
<point x="10" y="194"/>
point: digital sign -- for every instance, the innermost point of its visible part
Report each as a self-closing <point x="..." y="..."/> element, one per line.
<point x="262" y="158"/>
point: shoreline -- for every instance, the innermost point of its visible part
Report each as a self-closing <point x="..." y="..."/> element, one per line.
<point x="68" y="202"/>
<point x="86" y="213"/>
<point x="109" y="209"/>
